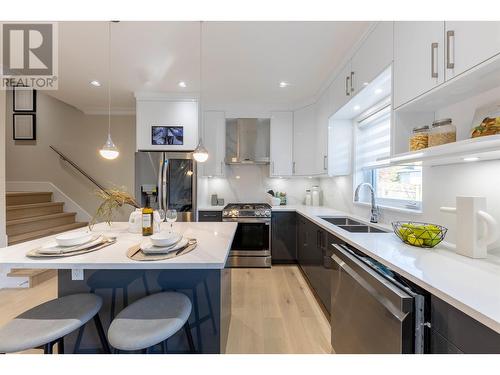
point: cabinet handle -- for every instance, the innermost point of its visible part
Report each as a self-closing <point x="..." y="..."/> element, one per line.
<point x="293" y="167"/>
<point x="221" y="167"/>
<point x="450" y="34"/>
<point x="325" y="162"/>
<point x="352" y="81"/>
<point x="434" y="73"/>
<point x="347" y="86"/>
<point x="272" y="166"/>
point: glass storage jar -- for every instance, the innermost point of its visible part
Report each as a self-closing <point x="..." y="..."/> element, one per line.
<point x="442" y="132"/>
<point x="419" y="138"/>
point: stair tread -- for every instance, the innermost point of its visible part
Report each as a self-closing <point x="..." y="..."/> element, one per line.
<point x="39" y="218"/>
<point x="26" y="272"/>
<point x="21" y="193"/>
<point x="45" y="232"/>
<point x="33" y="205"/>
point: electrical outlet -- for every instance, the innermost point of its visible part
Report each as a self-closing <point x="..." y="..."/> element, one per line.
<point x="76" y="274"/>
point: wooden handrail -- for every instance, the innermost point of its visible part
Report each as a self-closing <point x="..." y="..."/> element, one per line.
<point x="74" y="165"/>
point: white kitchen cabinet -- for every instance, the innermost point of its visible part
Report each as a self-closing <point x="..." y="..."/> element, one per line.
<point x="375" y="54"/>
<point x="281" y="145"/>
<point x="322" y="115"/>
<point x="418" y="58"/>
<point x="304" y="141"/>
<point x="214" y="140"/>
<point x="469" y="43"/>
<point x="340" y="89"/>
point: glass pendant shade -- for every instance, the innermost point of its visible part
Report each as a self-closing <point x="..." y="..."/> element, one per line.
<point x="200" y="154"/>
<point x="109" y="150"/>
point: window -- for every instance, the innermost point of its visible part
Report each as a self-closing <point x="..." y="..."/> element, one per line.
<point x="395" y="186"/>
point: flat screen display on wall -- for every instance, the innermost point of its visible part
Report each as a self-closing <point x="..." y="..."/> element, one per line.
<point x="167" y="135"/>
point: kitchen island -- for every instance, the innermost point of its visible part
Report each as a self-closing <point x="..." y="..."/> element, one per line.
<point x="108" y="272"/>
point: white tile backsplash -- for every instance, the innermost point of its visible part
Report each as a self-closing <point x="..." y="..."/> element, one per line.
<point x="249" y="183"/>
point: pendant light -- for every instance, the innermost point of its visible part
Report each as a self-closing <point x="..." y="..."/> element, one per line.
<point x="200" y="153"/>
<point x="109" y="150"/>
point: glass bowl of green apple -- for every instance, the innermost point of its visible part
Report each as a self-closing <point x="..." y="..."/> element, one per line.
<point x="419" y="234"/>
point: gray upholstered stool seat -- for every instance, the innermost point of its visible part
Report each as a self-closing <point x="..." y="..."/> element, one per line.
<point x="150" y="321"/>
<point x="48" y="322"/>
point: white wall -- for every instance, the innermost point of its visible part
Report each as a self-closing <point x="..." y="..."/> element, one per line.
<point x="251" y="186"/>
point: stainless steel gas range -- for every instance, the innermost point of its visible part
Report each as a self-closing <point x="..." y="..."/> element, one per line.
<point x="252" y="242"/>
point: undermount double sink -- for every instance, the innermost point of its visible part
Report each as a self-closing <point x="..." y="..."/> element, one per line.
<point x="353" y="226"/>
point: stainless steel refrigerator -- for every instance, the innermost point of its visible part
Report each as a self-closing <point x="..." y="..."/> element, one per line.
<point x="169" y="179"/>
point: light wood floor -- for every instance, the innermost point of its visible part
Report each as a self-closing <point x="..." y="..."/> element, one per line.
<point x="274" y="311"/>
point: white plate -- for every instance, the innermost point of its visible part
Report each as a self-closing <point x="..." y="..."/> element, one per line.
<point x="148" y="248"/>
<point x="164" y="239"/>
<point x="53" y="248"/>
<point x="73" y="238"/>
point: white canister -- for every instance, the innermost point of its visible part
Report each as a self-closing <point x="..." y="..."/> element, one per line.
<point x="315" y="195"/>
<point x="308" y="198"/>
<point x="135" y="221"/>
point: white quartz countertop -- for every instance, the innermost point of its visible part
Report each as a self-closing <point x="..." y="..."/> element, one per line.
<point x="211" y="252"/>
<point x="470" y="285"/>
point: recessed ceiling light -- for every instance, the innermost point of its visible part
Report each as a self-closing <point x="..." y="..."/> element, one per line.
<point x="366" y="83"/>
<point x="284" y="84"/>
<point x="378" y="91"/>
<point x="356" y="107"/>
<point x="471" y="158"/>
<point x="95" y="83"/>
<point x="182" y="84"/>
<point x="237" y="177"/>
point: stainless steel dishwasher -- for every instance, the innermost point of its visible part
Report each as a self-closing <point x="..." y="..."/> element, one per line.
<point x="373" y="309"/>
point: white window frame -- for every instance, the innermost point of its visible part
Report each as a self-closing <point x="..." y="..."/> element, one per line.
<point x="368" y="175"/>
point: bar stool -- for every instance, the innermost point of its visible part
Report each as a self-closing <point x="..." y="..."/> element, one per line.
<point x="150" y="321"/>
<point x="48" y="323"/>
<point x="169" y="281"/>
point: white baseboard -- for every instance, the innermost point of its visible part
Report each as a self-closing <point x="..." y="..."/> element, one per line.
<point x="58" y="195"/>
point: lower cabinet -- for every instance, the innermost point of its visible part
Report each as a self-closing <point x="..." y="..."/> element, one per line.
<point x="283" y="237"/>
<point x="453" y="331"/>
<point x="314" y="258"/>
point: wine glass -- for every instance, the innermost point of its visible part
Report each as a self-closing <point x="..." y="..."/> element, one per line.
<point x="161" y="215"/>
<point x="171" y="218"/>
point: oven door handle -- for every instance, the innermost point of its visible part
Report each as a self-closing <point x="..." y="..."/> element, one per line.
<point x="266" y="221"/>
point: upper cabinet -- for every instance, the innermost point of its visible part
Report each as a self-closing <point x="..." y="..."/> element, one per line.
<point x="304" y="141"/>
<point x="469" y="43"/>
<point x="322" y="115"/>
<point x="214" y="139"/>
<point x="418" y="58"/>
<point x="165" y="124"/>
<point x="281" y="150"/>
<point x="374" y="55"/>
<point x="340" y="90"/>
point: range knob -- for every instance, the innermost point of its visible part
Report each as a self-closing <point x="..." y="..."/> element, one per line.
<point x="268" y="212"/>
<point x="225" y="213"/>
<point x="258" y="213"/>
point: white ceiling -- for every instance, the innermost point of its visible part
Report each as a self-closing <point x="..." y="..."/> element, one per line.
<point x="243" y="62"/>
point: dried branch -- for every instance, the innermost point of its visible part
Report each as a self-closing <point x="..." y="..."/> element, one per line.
<point x="112" y="199"/>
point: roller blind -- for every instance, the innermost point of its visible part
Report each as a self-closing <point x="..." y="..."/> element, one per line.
<point x="373" y="139"/>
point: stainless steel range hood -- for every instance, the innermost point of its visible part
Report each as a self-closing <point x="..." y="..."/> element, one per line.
<point x="247" y="140"/>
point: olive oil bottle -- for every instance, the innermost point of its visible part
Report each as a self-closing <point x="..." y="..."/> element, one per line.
<point x="147" y="219"/>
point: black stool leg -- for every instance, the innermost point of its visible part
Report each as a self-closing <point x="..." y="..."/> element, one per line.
<point x="47" y="348"/>
<point x="211" y="311"/>
<point x="60" y="346"/>
<point x="197" y="316"/>
<point x="187" y="329"/>
<point x="102" y="335"/>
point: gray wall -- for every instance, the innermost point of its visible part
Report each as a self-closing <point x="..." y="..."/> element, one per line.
<point x="79" y="136"/>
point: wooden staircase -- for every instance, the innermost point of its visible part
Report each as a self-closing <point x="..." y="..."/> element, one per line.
<point x="32" y="215"/>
